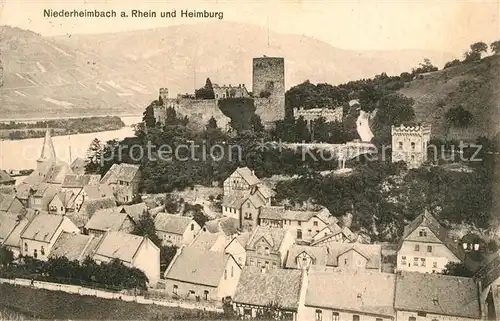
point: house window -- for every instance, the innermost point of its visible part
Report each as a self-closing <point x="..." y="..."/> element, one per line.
<point x="192" y="227"/>
<point x="299" y="234"/>
<point x="422" y="261"/>
<point x="191" y="292"/>
<point x="434" y="265"/>
<point x="225" y="274"/>
<point x="267" y="265"/>
<point x="248" y="205"/>
<point x="429" y="248"/>
<point x="309" y="232"/>
<point x="315" y="223"/>
<point x="274" y="265"/>
<point x="412" y="158"/>
<point x="335" y="316"/>
<point x="412" y="319"/>
<point x="422" y="233"/>
<point x="422" y="314"/>
<point x="25" y="247"/>
<point x="355" y="317"/>
<point x="415" y="261"/>
<point x="232" y="271"/>
<point x="403" y="260"/>
<point x="379" y="319"/>
<point x="35" y="253"/>
<point x="299" y="223"/>
<point x="42" y="250"/>
<point x="319" y="315"/>
<point x="175" y="288"/>
<point x="267" y="251"/>
<point x="205" y="295"/>
<point x="412" y="145"/>
<point x="252" y="262"/>
<point x="400" y="145"/>
<point x="417" y="247"/>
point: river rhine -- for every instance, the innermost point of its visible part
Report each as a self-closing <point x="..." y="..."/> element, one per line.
<point x="22" y="154"/>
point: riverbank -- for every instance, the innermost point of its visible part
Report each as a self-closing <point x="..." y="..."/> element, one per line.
<point x="59" y="127"/>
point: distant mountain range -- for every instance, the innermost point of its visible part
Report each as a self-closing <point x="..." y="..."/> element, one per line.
<point x="120" y="73"/>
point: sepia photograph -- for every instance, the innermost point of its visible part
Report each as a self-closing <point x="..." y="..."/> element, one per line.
<point x="302" y="160"/>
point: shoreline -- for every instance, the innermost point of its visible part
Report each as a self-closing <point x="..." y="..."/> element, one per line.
<point x="36" y="119"/>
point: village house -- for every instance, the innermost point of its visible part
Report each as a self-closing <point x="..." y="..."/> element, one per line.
<point x="106" y="220"/>
<point x="261" y="289"/>
<point x="135" y="211"/>
<point x="8" y="222"/>
<point x="12" y="236"/>
<point x="355" y="256"/>
<point x="428" y="297"/>
<point x="425" y="246"/>
<point x="302" y="256"/>
<point x="303" y="225"/>
<point x="74" y="246"/>
<point x="133" y="251"/>
<point x="124" y="180"/>
<point x="219" y="242"/>
<point x="227" y="225"/>
<point x="488" y="280"/>
<point x="202" y="275"/>
<point x="268" y="247"/>
<point x="348" y="295"/>
<point x="176" y="229"/>
<point x="40" y="234"/>
<point x="61" y="202"/>
<point x="76" y="183"/>
<point x="241" y="182"/>
<point x="89" y="207"/>
<point x="41" y="195"/>
<point x="10" y="203"/>
<point x="333" y="233"/>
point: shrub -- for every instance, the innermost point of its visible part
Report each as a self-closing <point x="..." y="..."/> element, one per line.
<point x="264" y="94"/>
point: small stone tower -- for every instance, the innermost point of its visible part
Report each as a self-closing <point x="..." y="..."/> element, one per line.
<point x="269" y="87"/>
<point x="409" y="144"/>
<point x="164" y="94"/>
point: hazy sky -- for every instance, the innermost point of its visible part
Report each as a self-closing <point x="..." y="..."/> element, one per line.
<point x="428" y="24"/>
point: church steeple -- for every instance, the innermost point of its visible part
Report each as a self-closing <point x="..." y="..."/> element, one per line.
<point x="48" y="151"/>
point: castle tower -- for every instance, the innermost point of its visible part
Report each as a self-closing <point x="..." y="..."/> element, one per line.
<point x="163" y="94"/>
<point x="409" y="144"/>
<point x="269" y="87"/>
<point x="48" y="154"/>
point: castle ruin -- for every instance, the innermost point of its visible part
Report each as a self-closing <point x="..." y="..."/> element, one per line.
<point x="409" y="144"/>
<point x="310" y="115"/>
<point x="268" y="96"/>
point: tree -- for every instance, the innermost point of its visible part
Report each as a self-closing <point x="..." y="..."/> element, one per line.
<point x="424" y="67"/>
<point x="212" y="124"/>
<point x="206" y="92"/>
<point x="146" y="227"/>
<point x="406" y="77"/>
<point x="452" y="63"/>
<point x="167" y="254"/>
<point x="6" y="256"/>
<point x="459" y="117"/>
<point x="94" y="157"/>
<point x="476" y="51"/>
<point x="148" y="117"/>
<point x="495" y="47"/>
<point x="256" y="124"/>
<point x="457" y="269"/>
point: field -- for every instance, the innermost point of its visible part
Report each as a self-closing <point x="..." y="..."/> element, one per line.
<point x="21" y="303"/>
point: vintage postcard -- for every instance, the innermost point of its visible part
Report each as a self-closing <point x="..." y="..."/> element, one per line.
<point x="257" y="159"/>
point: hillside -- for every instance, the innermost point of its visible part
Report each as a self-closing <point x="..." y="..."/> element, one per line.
<point x="474" y="86"/>
<point x="120" y="73"/>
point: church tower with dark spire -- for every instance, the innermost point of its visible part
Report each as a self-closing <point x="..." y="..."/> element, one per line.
<point x="48" y="154"/>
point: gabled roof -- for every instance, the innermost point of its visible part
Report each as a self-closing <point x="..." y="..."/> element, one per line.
<point x="345" y="231"/>
<point x="272" y="213"/>
<point x="227" y="225"/>
<point x="265" y="190"/>
<point x="8" y="222"/>
<point x="64" y="197"/>
<point x="273" y="236"/>
<point x="90" y="206"/>
<point x="120" y="172"/>
<point x="42" y="227"/>
<point x="175" y="224"/>
<point x="489" y="272"/>
<point x="361" y="291"/>
<point x="7" y="201"/>
<point x="71" y="245"/>
<point x="107" y="220"/>
<point x="256" y="200"/>
<point x="427" y="220"/>
<point x="248" y="176"/>
<point x="98" y="191"/>
<point x="198" y="267"/>
<point x="318" y="254"/>
<point x="272" y="286"/>
<point x="5" y="178"/>
<point x="79" y="181"/>
<point x="78" y="166"/>
<point x="233" y="201"/>
<point x="372" y="253"/>
<point x="205" y="240"/>
<point x="135" y="211"/>
<point x="437" y="294"/>
<point x="118" y="245"/>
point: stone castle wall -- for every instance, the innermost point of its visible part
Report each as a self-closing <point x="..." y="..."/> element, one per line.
<point x="199" y="110"/>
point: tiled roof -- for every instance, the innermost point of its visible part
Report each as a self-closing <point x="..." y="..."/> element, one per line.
<point x="106" y="220"/>
<point x="74" y="181"/>
<point x="243" y="238"/>
<point x="6" y="201"/>
<point x="227" y="225"/>
<point x="5" y="178"/>
<point x="272" y="213"/>
<point x="372" y="252"/>
<point x="118" y="245"/>
<point x="90" y="206"/>
<point x="248" y="176"/>
<point x="279" y="213"/>
<point x="438" y="294"/>
<point x="198" y="266"/>
<point x="8" y="222"/>
<point x="272" y="286"/>
<point x="14" y="238"/>
<point x="42" y="227"/>
<point x="71" y="246"/>
<point x="98" y="191"/>
<point x="120" y="172"/>
<point x="170" y="223"/>
<point x="274" y="236"/>
<point x="361" y="291"/>
<point x="490" y="271"/>
<point x="233" y="201"/>
<point x="256" y="200"/>
<point x="319" y="255"/>
<point x="335" y="231"/>
<point x="64" y="197"/>
<point x="205" y="240"/>
<point x="135" y="211"/>
<point x="325" y="215"/>
<point x="78" y="166"/>
<point x="427" y="220"/>
<point x="265" y="190"/>
<point x="79" y="219"/>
